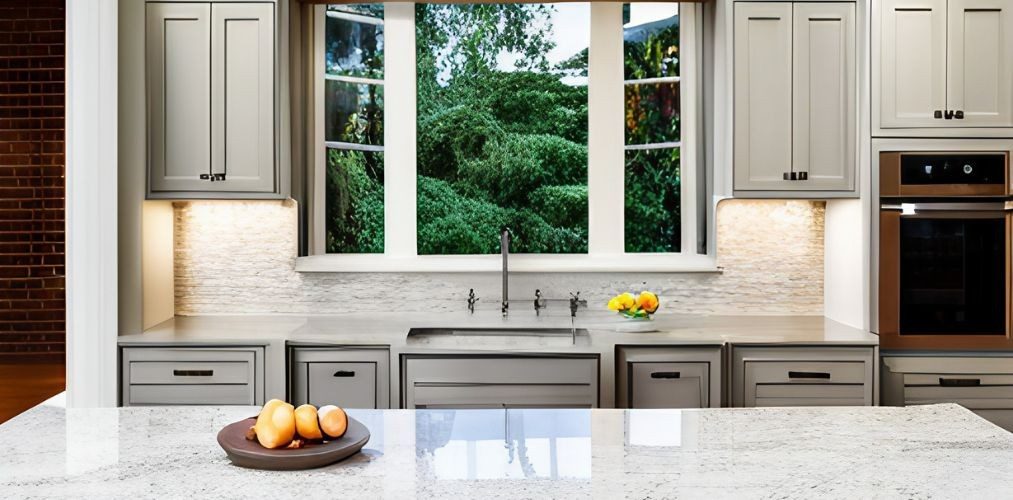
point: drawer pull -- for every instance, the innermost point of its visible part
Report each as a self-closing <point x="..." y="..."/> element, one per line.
<point x="193" y="373"/>
<point x="666" y="375"/>
<point x="819" y="375"/>
<point x="959" y="382"/>
<point x="344" y="373"/>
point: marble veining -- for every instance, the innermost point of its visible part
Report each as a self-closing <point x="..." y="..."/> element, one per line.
<point x="938" y="451"/>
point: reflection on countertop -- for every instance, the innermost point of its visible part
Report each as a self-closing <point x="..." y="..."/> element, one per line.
<point x="171" y="452"/>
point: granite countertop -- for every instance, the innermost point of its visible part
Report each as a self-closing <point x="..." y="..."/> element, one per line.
<point x="938" y="451"/>
<point x="605" y="330"/>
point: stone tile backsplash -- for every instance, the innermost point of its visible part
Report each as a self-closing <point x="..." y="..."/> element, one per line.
<point x="239" y="258"/>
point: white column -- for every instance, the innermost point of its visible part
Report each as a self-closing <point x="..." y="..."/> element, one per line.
<point x="91" y="203"/>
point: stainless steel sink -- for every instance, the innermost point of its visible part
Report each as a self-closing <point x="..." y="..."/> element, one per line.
<point x="498" y="336"/>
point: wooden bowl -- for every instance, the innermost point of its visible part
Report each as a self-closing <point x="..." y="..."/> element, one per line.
<point x="252" y="455"/>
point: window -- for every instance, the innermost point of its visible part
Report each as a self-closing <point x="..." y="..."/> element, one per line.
<point x="490" y="108"/>
<point x="653" y="213"/>
<point x="353" y="134"/>
<point x="502" y="127"/>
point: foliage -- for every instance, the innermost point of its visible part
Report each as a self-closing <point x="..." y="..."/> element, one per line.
<point x="354" y="207"/>
<point x="653" y="211"/>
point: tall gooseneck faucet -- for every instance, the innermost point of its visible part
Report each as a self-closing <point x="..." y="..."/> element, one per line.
<point x="504" y="246"/>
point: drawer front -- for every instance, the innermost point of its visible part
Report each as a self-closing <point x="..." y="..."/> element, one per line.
<point x="349" y="385"/>
<point x="972" y="391"/>
<point x="191" y="372"/>
<point x="495" y="381"/>
<point x="808" y="395"/>
<point x="806" y="372"/>
<point x="1002" y="418"/>
<point x="192" y="375"/>
<point x="669" y="385"/>
<point x="428" y="395"/>
<point x="138" y="395"/>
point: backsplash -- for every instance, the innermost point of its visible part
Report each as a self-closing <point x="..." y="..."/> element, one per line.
<point x="239" y="258"/>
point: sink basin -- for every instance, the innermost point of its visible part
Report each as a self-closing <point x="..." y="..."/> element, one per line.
<point x="493" y="337"/>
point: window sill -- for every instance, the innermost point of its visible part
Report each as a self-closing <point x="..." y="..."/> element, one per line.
<point x="523" y="263"/>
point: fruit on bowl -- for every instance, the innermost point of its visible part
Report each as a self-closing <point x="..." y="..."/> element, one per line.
<point x="640" y="306"/>
<point x="279" y="425"/>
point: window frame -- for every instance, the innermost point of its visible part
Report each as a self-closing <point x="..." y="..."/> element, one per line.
<point x="606" y="160"/>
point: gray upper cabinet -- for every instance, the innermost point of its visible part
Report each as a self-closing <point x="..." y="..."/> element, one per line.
<point x="795" y="98"/>
<point x="943" y="64"/>
<point x="211" y="101"/>
<point x="179" y="97"/>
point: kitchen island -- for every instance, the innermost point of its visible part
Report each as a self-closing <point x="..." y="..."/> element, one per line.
<point x="940" y="451"/>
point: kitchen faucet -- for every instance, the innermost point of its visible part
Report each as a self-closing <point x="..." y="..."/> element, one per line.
<point x="504" y="246"/>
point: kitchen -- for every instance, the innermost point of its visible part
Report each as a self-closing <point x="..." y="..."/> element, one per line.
<point x="733" y="248"/>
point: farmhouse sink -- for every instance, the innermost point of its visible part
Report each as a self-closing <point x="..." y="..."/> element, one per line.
<point x="462" y="337"/>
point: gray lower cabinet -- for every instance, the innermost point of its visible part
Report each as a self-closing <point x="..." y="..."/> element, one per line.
<point x="192" y="375"/>
<point x="982" y="384"/>
<point x="802" y="376"/>
<point x="350" y="377"/>
<point x="499" y="381"/>
<point x="668" y="377"/>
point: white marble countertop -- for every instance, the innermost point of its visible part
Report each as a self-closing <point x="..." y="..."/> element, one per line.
<point x="939" y="451"/>
<point x="605" y="330"/>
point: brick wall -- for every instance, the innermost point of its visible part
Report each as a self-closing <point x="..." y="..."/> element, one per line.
<point x="32" y="308"/>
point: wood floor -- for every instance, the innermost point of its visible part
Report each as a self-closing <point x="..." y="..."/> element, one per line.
<point x="23" y="386"/>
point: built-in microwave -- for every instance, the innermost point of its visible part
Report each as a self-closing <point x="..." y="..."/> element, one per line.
<point x="945" y="250"/>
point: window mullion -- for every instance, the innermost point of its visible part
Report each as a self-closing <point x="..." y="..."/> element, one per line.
<point x="606" y="139"/>
<point x="400" y="232"/>
<point x="688" y="159"/>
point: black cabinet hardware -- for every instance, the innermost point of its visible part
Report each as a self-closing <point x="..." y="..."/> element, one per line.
<point x="949" y="114"/>
<point x="818" y="375"/>
<point x="666" y="375"/>
<point x="193" y="373"/>
<point x="959" y="114"/>
<point x="344" y="373"/>
<point x="959" y="382"/>
<point x="212" y="177"/>
<point x="803" y="176"/>
<point x="938" y="114"/>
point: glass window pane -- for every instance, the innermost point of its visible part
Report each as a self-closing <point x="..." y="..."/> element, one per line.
<point x="651" y="40"/>
<point x="502" y="127"/>
<point x="653" y="207"/>
<point x="354" y="112"/>
<point x="354" y="211"/>
<point x="353" y="47"/>
<point x="652" y="113"/>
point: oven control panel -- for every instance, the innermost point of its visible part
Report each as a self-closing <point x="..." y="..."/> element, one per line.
<point x="934" y="169"/>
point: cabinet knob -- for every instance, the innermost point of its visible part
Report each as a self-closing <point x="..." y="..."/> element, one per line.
<point x="938" y="114"/>
<point x="803" y="176"/>
<point x="949" y="114"/>
<point x="959" y="114"/>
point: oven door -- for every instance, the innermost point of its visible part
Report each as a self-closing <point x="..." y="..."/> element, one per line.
<point x="945" y="275"/>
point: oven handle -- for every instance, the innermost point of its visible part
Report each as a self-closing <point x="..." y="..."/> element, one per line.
<point x="988" y="206"/>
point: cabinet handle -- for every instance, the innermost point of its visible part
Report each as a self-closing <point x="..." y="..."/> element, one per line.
<point x="938" y="114"/>
<point x="212" y="177"/>
<point x="803" y="176"/>
<point x="666" y="375"/>
<point x="344" y="373"/>
<point x="819" y="375"/>
<point x="193" y="373"/>
<point x="949" y="114"/>
<point x="959" y="382"/>
<point x="790" y="176"/>
<point x="959" y="114"/>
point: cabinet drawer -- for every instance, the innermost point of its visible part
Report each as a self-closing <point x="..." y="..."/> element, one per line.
<point x="189" y="372"/>
<point x="450" y="381"/>
<point x="972" y="391"/>
<point x="193" y="375"/>
<point x="437" y="395"/>
<point x="350" y="385"/>
<point x="807" y="372"/>
<point x="669" y="385"/>
<point x="175" y="394"/>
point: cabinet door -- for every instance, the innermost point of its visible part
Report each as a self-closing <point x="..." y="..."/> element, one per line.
<point x="824" y="107"/>
<point x="979" y="62"/>
<point x="912" y="63"/>
<point x="179" y="96"/>
<point x="762" y="95"/>
<point x="242" y="94"/>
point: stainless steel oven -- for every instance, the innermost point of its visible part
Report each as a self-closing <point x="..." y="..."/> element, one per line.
<point x="944" y="250"/>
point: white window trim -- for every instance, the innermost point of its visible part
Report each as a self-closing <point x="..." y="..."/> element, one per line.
<point x="606" y="162"/>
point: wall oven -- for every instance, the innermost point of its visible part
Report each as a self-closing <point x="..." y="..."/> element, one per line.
<point x="944" y="250"/>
